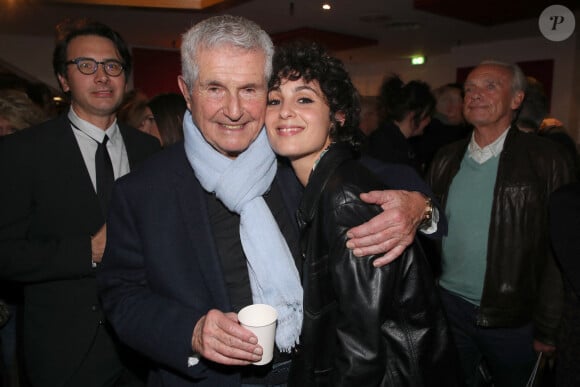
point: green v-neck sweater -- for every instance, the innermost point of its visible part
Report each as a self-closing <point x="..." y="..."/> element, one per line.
<point x="468" y="211"/>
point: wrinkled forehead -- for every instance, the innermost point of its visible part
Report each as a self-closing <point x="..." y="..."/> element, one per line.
<point x="488" y="73"/>
<point x="228" y="58"/>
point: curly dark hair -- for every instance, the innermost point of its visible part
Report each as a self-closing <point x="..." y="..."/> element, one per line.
<point x="311" y="62"/>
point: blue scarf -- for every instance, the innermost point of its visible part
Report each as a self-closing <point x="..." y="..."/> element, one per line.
<point x="239" y="184"/>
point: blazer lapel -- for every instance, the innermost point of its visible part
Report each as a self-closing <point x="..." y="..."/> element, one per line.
<point x="193" y="207"/>
<point x="73" y="170"/>
<point x="130" y="145"/>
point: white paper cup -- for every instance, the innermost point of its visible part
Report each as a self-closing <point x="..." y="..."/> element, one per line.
<point x="261" y="320"/>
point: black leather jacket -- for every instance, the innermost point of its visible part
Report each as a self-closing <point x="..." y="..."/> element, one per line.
<point x="522" y="282"/>
<point x="363" y="326"/>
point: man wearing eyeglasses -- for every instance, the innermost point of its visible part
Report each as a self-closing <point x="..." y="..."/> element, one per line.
<point x="56" y="180"/>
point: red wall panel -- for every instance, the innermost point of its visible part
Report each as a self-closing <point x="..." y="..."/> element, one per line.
<point x="156" y="71"/>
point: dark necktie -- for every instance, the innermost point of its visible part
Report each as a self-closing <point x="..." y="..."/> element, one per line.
<point x="105" y="175"/>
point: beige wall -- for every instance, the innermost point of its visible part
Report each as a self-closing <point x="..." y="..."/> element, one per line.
<point x="32" y="55"/>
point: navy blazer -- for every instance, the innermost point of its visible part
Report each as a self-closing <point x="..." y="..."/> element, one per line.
<point x="161" y="271"/>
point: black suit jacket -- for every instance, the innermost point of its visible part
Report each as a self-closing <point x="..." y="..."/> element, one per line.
<point x="565" y="232"/>
<point x="49" y="210"/>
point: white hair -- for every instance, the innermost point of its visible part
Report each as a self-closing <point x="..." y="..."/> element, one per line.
<point x="219" y="31"/>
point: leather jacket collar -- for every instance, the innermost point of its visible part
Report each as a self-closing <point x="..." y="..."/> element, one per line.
<point x="337" y="154"/>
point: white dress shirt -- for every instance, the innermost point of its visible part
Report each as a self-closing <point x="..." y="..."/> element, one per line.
<point x="481" y="155"/>
<point x="89" y="137"/>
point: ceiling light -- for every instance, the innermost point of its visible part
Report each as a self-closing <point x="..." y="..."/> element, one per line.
<point x="417" y="60"/>
<point x="326" y="5"/>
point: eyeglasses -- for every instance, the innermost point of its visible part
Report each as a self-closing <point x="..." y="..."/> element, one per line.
<point x="89" y="66"/>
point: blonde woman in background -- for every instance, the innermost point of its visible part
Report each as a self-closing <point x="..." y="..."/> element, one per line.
<point x="17" y="112"/>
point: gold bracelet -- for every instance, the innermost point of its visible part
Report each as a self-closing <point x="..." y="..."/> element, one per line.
<point x="427" y="215"/>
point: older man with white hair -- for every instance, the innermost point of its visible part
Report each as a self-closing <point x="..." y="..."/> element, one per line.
<point x="499" y="284"/>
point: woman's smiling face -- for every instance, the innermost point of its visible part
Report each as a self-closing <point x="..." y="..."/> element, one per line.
<point x="298" y="120"/>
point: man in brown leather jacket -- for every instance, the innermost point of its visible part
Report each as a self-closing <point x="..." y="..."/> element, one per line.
<point x="500" y="286"/>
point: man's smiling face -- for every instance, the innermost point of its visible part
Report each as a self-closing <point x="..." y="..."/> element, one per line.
<point x="228" y="99"/>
